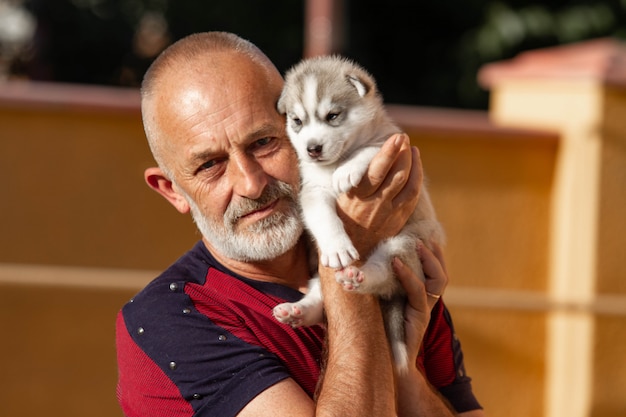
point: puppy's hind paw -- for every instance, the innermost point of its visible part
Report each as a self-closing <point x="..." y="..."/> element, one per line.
<point x="350" y="278"/>
<point x="306" y="312"/>
<point x="288" y="313"/>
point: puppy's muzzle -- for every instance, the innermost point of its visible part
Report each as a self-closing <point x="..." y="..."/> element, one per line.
<point x="314" y="151"/>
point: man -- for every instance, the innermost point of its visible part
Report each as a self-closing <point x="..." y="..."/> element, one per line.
<point x="200" y="339"/>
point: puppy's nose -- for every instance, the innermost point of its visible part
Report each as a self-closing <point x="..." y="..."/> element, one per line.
<point x="314" y="151"/>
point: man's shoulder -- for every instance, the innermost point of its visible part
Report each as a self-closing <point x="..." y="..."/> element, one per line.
<point x="158" y="298"/>
<point x="192" y="267"/>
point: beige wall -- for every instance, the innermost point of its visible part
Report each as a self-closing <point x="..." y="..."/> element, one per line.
<point x="74" y="192"/>
<point x="578" y="91"/>
<point x="491" y="188"/>
<point x="81" y="233"/>
<point x="58" y="350"/>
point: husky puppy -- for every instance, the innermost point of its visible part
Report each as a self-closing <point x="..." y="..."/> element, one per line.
<point x="337" y="123"/>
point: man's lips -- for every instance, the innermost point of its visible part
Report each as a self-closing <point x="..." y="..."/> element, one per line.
<point x="262" y="212"/>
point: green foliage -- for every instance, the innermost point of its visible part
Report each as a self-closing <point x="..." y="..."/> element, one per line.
<point x="429" y="53"/>
<point x="507" y="29"/>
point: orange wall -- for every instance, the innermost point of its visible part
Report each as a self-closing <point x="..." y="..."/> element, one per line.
<point x="58" y="345"/>
<point x="74" y="192"/>
<point x="491" y="188"/>
<point x="71" y="161"/>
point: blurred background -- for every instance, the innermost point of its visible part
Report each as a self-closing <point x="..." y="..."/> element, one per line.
<point x="518" y="108"/>
<point x="424" y="53"/>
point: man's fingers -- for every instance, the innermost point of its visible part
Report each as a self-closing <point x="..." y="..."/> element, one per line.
<point x="438" y="252"/>
<point x="409" y="194"/>
<point x="376" y="175"/>
<point x="413" y="286"/>
<point x="435" y="272"/>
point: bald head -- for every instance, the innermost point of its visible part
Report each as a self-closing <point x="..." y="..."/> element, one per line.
<point x="195" y="69"/>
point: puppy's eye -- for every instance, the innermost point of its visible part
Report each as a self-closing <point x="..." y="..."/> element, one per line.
<point x="331" y="116"/>
<point x="296" y="121"/>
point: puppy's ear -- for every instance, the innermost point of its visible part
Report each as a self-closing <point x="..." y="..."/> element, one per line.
<point x="281" y="106"/>
<point x="362" y="84"/>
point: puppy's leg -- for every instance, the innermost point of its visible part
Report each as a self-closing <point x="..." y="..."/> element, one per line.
<point x="376" y="275"/>
<point x="320" y="217"/>
<point x="306" y="312"/>
<point x="349" y="174"/>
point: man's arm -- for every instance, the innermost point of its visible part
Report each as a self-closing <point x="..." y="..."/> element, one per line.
<point x="357" y="382"/>
<point x="358" y="379"/>
<point x="359" y="375"/>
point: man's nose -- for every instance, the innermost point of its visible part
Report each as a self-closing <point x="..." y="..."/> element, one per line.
<point x="249" y="178"/>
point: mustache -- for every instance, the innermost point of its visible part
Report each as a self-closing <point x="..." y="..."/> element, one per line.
<point x="272" y="192"/>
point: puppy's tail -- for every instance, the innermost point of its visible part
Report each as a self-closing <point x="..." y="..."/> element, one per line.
<point x="400" y="357"/>
<point x="393" y="313"/>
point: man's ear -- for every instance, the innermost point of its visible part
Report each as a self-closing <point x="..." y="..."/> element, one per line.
<point x="159" y="182"/>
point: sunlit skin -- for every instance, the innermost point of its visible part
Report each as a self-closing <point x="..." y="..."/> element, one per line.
<point x="233" y="145"/>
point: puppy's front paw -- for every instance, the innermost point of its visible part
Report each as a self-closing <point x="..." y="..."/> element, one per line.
<point x="339" y="257"/>
<point x="346" y="177"/>
<point x="351" y="278"/>
<point x="289" y="313"/>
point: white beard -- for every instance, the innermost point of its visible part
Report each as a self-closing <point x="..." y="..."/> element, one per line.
<point x="264" y="240"/>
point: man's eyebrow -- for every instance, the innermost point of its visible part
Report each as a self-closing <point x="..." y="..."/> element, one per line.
<point x="197" y="158"/>
<point x="200" y="156"/>
<point x="263" y="131"/>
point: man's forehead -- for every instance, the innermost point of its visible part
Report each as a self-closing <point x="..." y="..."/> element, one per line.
<point x="203" y="108"/>
<point x="187" y="100"/>
<point x="219" y="88"/>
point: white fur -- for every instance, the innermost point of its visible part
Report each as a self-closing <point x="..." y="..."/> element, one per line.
<point x="337" y="123"/>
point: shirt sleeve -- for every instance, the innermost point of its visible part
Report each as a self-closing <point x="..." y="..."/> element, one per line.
<point x="442" y="361"/>
<point x="143" y="388"/>
<point x="173" y="361"/>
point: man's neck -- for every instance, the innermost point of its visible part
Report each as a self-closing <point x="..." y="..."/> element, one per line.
<point x="290" y="269"/>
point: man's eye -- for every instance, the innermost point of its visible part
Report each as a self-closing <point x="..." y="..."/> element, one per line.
<point x="207" y="165"/>
<point x="263" y="142"/>
<point x="264" y="146"/>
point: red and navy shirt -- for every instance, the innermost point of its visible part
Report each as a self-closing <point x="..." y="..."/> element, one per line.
<point x="201" y="340"/>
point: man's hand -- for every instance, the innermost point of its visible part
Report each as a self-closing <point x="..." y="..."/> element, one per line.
<point x="422" y="296"/>
<point x="387" y="195"/>
<point x="415" y="397"/>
